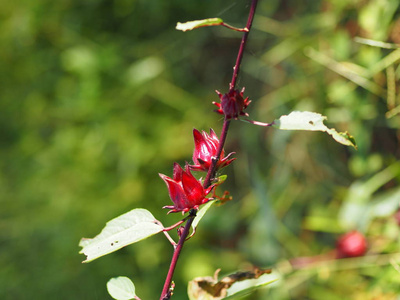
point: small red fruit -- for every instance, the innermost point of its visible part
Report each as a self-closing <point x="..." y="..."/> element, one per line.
<point x="352" y="244"/>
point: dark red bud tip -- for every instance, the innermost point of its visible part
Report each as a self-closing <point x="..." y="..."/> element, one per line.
<point x="352" y="244"/>
<point x="232" y="104"/>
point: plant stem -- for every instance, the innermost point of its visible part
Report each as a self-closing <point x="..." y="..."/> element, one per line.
<point x="213" y="166"/>
<point x="225" y="128"/>
<point x="165" y="295"/>
<point x="243" y="45"/>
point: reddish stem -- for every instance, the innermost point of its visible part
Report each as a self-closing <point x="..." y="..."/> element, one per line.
<point x="212" y="169"/>
<point x="165" y="295"/>
<point x="243" y="45"/>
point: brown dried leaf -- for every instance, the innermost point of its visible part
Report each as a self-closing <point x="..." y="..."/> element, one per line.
<point x="209" y="288"/>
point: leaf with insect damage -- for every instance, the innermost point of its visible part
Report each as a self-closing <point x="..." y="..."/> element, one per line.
<point x="129" y="228"/>
<point x="311" y="121"/>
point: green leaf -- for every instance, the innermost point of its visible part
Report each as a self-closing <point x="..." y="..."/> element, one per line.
<point x="311" y="121"/>
<point x="124" y="230"/>
<point x="201" y="213"/>
<point x="239" y="289"/>
<point x="221" y="179"/>
<point x="199" y="23"/>
<point x="121" y="288"/>
<point x="342" y="137"/>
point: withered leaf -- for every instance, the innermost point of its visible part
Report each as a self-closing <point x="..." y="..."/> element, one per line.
<point x="209" y="288"/>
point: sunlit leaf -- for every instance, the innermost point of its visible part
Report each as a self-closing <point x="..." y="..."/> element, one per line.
<point x="342" y="137"/>
<point x="124" y="230"/>
<point x="198" y="23"/>
<point x="121" y="288"/>
<point x="311" y="121"/>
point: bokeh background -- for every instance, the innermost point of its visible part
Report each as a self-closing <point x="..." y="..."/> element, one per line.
<point x="98" y="96"/>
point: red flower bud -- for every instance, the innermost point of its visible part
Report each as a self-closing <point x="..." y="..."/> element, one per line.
<point x="205" y="149"/>
<point x="185" y="191"/>
<point x="352" y="244"/>
<point x="232" y="104"/>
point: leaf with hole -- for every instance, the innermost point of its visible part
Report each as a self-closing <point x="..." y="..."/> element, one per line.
<point x="129" y="228"/>
<point x="311" y="121"/>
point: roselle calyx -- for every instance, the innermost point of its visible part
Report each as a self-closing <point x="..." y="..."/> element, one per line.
<point x="232" y="104"/>
<point x="205" y="150"/>
<point x="185" y="191"/>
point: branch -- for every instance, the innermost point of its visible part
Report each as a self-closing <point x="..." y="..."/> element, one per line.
<point x="166" y="292"/>
<point x="243" y="45"/>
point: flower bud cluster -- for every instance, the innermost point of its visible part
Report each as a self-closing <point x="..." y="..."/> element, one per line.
<point x="185" y="191"/>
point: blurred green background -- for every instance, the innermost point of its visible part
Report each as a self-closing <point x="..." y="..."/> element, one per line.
<point x="97" y="97"/>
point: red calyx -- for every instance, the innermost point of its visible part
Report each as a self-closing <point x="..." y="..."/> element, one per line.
<point x="185" y="191"/>
<point x="232" y="104"/>
<point x="205" y="150"/>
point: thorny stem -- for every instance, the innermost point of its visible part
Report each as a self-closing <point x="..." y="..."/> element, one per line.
<point x="166" y="294"/>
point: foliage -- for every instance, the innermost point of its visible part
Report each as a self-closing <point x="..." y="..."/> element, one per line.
<point x="129" y="228"/>
<point x="121" y="288"/>
<point x="99" y="96"/>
